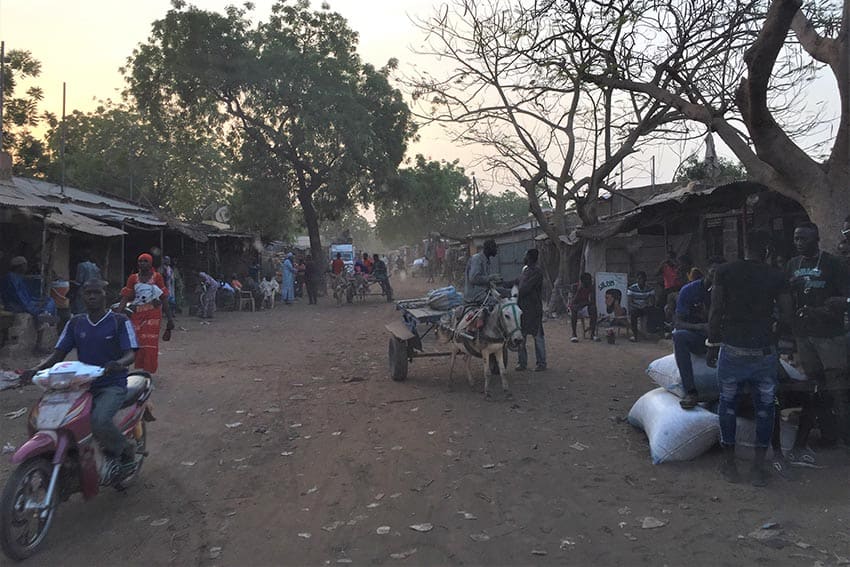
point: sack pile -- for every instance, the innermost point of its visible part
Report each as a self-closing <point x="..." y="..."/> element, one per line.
<point x="676" y="434"/>
<point x="444" y="298"/>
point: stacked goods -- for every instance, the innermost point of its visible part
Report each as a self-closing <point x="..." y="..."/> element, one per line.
<point x="674" y="434"/>
<point x="444" y="298"/>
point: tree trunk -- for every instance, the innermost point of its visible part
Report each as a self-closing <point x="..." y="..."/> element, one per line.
<point x="824" y="209"/>
<point x="311" y="221"/>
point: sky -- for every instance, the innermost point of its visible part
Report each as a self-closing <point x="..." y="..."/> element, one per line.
<point x="85" y="42"/>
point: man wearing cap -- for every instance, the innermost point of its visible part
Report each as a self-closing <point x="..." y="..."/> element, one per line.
<point x="17" y="298"/>
<point x="146" y="292"/>
<point x="530" y="300"/>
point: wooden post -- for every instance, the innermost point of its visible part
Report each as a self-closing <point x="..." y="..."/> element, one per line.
<point x="106" y="260"/>
<point x="45" y="259"/>
<point x="123" y="257"/>
<point x="743" y="253"/>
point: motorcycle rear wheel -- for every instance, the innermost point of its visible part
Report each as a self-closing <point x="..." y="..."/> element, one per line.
<point x="28" y="483"/>
<point x="141" y="450"/>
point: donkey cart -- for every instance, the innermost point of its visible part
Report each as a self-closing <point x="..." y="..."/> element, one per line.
<point x="418" y="321"/>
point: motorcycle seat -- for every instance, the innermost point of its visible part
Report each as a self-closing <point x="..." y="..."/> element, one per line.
<point x="137" y="384"/>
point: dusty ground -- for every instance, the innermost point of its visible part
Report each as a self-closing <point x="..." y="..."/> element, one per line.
<point x="330" y="449"/>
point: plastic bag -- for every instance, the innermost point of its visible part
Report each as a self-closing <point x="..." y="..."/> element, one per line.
<point x="674" y="434"/>
<point x="444" y="298"/>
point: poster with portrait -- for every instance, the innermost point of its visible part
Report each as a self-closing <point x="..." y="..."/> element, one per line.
<point x="611" y="301"/>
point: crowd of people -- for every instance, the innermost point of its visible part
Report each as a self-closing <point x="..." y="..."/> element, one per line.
<point x="365" y="269"/>
<point x="734" y="314"/>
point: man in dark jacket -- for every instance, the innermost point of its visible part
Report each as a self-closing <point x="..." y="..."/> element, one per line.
<point x="530" y="300"/>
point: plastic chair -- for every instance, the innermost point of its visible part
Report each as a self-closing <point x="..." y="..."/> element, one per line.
<point x="246" y="298"/>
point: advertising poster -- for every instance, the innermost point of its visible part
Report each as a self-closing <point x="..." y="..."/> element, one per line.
<point x="611" y="301"/>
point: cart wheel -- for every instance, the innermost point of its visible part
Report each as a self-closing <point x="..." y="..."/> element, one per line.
<point x="398" y="359"/>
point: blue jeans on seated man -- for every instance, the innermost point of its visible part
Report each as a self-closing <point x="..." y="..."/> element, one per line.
<point x="105" y="404"/>
<point x="686" y="343"/>
<point x="757" y="368"/>
<point x="539" y="350"/>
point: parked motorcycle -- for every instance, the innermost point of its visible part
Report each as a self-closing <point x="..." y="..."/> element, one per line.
<point x="62" y="457"/>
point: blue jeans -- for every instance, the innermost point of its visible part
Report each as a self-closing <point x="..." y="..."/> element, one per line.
<point x="752" y="367"/>
<point x="539" y="350"/>
<point x="105" y="404"/>
<point x="686" y="343"/>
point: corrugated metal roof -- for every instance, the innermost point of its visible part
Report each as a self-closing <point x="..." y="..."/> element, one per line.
<point x="11" y="196"/>
<point x="47" y="189"/>
<point x="81" y="223"/>
<point x="118" y="215"/>
<point x="89" y="204"/>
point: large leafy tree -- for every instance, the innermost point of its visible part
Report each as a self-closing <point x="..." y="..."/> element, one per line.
<point x="422" y="198"/>
<point x="21" y="113"/>
<point x="291" y="92"/>
<point x="116" y="150"/>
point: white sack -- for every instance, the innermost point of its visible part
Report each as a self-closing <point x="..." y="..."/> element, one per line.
<point x="674" y="434"/>
<point x="665" y="373"/>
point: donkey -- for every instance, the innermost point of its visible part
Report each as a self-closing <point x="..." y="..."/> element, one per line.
<point x="340" y="286"/>
<point x="501" y="328"/>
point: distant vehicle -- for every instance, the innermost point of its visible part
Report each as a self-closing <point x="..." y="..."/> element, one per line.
<point x="347" y="253"/>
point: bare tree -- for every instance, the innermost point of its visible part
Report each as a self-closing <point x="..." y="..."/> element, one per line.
<point x="519" y="86"/>
<point x="734" y="67"/>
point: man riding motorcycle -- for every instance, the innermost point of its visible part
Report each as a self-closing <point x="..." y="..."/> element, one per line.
<point x="102" y="338"/>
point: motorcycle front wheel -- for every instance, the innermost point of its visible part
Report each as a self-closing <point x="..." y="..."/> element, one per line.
<point x="23" y="525"/>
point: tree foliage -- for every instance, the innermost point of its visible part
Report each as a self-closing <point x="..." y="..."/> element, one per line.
<point x="720" y="170"/>
<point x="290" y="93"/>
<point x="168" y="165"/>
<point x="21" y="113"/>
<point x="421" y="199"/>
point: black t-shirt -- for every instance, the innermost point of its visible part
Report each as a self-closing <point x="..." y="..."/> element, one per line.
<point x="813" y="281"/>
<point x="750" y="291"/>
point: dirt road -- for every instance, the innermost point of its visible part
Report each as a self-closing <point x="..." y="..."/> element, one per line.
<point x="280" y="440"/>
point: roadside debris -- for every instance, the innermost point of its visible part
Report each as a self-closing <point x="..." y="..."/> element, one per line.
<point x="650" y="523"/>
<point x="16" y="414"/>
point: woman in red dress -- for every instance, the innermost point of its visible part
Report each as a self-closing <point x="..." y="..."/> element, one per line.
<point x="147" y="293"/>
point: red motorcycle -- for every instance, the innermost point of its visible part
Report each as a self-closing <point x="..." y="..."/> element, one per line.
<point x="61" y="457"/>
